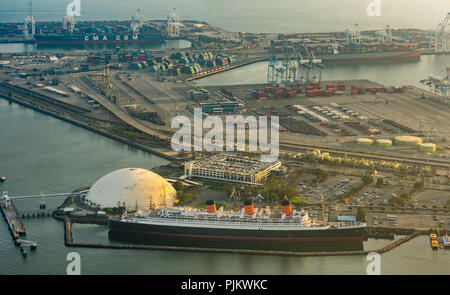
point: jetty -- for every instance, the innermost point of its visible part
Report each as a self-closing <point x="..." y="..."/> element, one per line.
<point x="15" y="224"/>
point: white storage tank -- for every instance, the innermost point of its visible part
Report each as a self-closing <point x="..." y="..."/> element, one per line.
<point x="427" y="147"/>
<point x="408" y="140"/>
<point x="365" y="141"/>
<point x="384" y="142"/>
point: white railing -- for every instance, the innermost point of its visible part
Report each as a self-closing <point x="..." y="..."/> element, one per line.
<point x="248" y="222"/>
<point x="48" y="195"/>
<point x="229" y="221"/>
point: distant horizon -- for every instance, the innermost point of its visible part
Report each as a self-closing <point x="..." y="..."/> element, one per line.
<point x="283" y="16"/>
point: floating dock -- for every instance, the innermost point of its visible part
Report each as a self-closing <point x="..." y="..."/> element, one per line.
<point x="15" y="224"/>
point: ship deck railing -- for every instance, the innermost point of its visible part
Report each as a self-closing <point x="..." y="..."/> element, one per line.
<point x="237" y="221"/>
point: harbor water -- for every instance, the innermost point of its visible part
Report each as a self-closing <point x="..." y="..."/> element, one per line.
<point x="388" y="73"/>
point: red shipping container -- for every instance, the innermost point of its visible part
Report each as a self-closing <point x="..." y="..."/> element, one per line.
<point x="268" y="89"/>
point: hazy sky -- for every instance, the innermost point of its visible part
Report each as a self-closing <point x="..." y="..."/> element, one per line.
<point x="248" y="15"/>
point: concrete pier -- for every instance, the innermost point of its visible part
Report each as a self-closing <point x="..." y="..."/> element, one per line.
<point x="11" y="216"/>
<point x="15" y="224"/>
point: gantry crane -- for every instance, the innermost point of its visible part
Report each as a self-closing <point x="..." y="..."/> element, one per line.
<point x="298" y="64"/>
<point x="273" y="62"/>
<point x="354" y="35"/>
<point x="439" y="86"/>
<point x="173" y="24"/>
<point x="289" y="63"/>
<point x="385" y="36"/>
<point x="73" y="9"/>
<point x="29" y="25"/>
<point x="310" y="64"/>
<point x="137" y="21"/>
<point x="440" y="36"/>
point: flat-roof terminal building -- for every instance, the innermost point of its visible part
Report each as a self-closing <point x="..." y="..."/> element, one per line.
<point x="231" y="168"/>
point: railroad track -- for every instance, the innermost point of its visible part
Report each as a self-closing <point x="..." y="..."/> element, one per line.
<point x="119" y="112"/>
<point x="6" y="88"/>
<point x="370" y="155"/>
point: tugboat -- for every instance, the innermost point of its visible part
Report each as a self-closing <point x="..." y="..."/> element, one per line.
<point x="2" y="178"/>
<point x="434" y="241"/>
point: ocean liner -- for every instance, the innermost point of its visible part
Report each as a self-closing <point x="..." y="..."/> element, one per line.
<point x="287" y="230"/>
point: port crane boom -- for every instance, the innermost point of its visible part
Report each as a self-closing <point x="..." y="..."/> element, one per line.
<point x="439" y="86"/>
<point x="440" y="37"/>
<point x="29" y="25"/>
<point x="273" y="62"/>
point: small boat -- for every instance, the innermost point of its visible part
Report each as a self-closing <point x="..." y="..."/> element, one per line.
<point x="446" y="241"/>
<point x="435" y="244"/>
<point x="2" y="178"/>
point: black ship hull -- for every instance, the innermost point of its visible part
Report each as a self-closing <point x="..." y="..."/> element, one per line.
<point x="107" y="39"/>
<point x="343" y="239"/>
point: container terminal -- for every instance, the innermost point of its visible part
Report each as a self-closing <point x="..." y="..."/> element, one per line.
<point x="336" y="134"/>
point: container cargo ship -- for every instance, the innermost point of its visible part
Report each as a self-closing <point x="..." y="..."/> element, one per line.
<point x="69" y="31"/>
<point x="370" y="50"/>
<point x="97" y="32"/>
<point x="98" y="39"/>
<point x="373" y="45"/>
<point x="363" y="52"/>
<point x="289" y="230"/>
